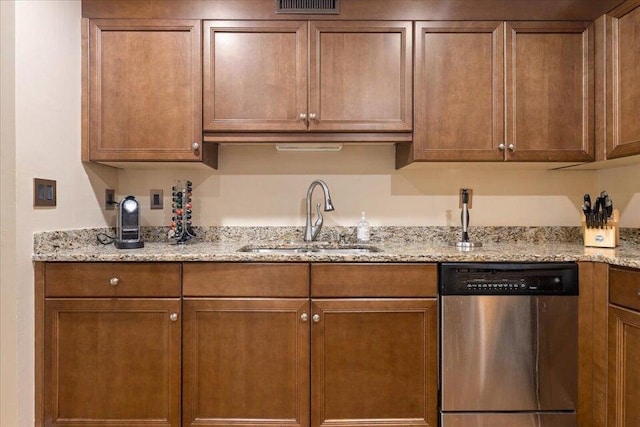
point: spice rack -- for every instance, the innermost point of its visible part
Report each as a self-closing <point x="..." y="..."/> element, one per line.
<point x="182" y="209"/>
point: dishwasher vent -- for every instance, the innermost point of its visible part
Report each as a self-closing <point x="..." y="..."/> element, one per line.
<point x="308" y="6"/>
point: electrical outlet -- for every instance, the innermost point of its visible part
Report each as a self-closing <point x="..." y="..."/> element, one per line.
<point x="156" y="199"/>
<point x="44" y="192"/>
<point x="470" y="192"/>
<point x="109" y="199"/>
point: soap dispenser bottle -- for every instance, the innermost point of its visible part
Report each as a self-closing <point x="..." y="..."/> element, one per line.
<point x="364" y="230"/>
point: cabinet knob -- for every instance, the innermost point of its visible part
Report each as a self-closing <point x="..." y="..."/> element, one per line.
<point x="114" y="281"/>
<point x="304" y="317"/>
<point x="638" y="292"/>
<point x="303" y="117"/>
<point x="173" y="317"/>
<point x="195" y="146"/>
<point x="316" y="318"/>
<point x="512" y="147"/>
<point x="312" y="117"/>
<point x="501" y="147"/>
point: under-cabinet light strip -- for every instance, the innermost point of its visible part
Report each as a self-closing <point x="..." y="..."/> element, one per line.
<point x="308" y="147"/>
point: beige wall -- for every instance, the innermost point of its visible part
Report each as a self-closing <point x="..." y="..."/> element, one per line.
<point x="258" y="185"/>
<point x="47" y="145"/>
<point x="623" y="185"/>
<point x="8" y="325"/>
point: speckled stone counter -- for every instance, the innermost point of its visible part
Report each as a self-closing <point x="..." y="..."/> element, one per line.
<point x="396" y="244"/>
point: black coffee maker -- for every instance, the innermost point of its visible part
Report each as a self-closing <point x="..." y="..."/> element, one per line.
<point x="128" y="231"/>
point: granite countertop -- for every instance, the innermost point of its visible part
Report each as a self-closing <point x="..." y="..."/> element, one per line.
<point x="396" y="244"/>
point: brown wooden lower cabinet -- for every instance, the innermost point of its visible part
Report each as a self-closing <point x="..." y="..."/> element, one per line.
<point x="374" y="362"/>
<point x="623" y="358"/>
<point x="111" y="362"/>
<point x="246" y="362"/>
<point x="624" y="368"/>
<point x="242" y="344"/>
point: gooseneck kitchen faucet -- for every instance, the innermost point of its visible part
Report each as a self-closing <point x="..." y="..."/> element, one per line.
<point x="311" y="230"/>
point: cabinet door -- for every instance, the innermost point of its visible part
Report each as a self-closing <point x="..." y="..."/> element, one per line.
<point x="360" y="76"/>
<point x="623" y="73"/>
<point x="255" y="75"/>
<point x="246" y="362"/>
<point x="374" y="362"/>
<point x="459" y="91"/>
<point x="550" y="91"/>
<point x="145" y="89"/>
<point x="624" y="368"/>
<point x="111" y="362"/>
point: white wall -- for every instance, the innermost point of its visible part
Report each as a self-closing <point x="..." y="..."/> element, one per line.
<point x="47" y="145"/>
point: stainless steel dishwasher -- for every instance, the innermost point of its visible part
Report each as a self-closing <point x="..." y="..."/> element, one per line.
<point x="509" y="344"/>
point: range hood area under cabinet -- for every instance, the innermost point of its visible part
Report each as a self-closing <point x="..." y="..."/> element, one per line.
<point x="536" y="91"/>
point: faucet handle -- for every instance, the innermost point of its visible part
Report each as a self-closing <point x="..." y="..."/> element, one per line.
<point x="319" y="219"/>
<point x="317" y="225"/>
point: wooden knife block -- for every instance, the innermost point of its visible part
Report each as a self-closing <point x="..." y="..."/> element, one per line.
<point x="607" y="237"/>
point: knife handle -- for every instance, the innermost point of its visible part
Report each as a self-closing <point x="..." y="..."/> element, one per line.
<point x="586" y="207"/>
<point x="597" y="206"/>
<point x="608" y="206"/>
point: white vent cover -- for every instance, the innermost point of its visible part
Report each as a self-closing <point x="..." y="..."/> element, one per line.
<point x="308" y="6"/>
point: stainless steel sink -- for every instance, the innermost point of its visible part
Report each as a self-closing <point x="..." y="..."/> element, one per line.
<point x="291" y="250"/>
<point x="353" y="250"/>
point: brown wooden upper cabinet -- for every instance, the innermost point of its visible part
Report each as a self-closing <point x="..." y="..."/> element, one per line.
<point x="143" y="90"/>
<point x="297" y="76"/>
<point x="518" y="91"/>
<point x="622" y="75"/>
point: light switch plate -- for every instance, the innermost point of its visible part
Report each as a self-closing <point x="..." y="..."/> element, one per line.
<point x="44" y="192"/>
<point x="156" y="199"/>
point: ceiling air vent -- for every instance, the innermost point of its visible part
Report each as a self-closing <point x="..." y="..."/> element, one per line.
<point x="308" y="6"/>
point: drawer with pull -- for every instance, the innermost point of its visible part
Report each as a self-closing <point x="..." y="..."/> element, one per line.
<point x="104" y="279"/>
<point x="624" y="287"/>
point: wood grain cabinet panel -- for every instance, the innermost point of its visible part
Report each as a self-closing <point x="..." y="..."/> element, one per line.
<point x="538" y="106"/>
<point x="360" y="76"/>
<point x="235" y="279"/>
<point x="307" y="76"/>
<point x="111" y="362"/>
<point x="115" y="280"/>
<point x="550" y="91"/>
<point x="144" y="90"/>
<point x="374" y="362"/>
<point x="408" y="280"/>
<point x="246" y="362"/>
<point x="255" y="75"/>
<point x="624" y="289"/>
<point x="624" y="368"/>
<point x="459" y="91"/>
<point x="622" y="76"/>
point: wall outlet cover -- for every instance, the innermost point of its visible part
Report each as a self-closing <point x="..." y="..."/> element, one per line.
<point x="156" y="199"/>
<point x="44" y="192"/>
<point x="109" y="199"/>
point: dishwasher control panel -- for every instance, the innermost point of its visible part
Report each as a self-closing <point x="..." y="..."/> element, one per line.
<point x="509" y="279"/>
